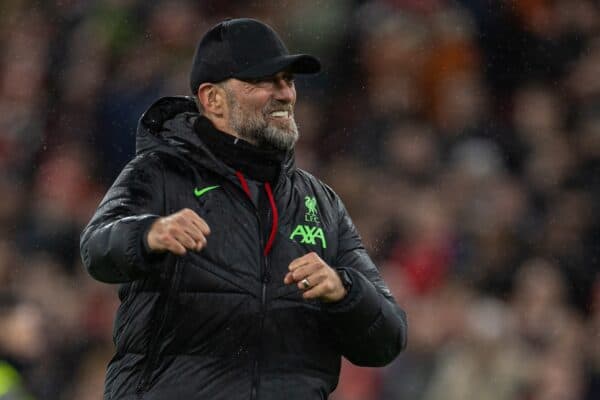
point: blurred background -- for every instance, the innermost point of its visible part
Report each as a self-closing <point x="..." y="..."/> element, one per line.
<point x="463" y="136"/>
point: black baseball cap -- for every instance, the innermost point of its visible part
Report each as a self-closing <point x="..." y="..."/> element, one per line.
<point x="245" y="48"/>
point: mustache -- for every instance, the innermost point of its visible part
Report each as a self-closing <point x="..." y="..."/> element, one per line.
<point x="278" y="106"/>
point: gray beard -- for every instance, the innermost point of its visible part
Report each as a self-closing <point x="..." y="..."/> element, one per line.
<point x="259" y="132"/>
<point x="269" y="136"/>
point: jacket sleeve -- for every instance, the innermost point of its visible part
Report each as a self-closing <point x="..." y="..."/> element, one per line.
<point x="112" y="245"/>
<point x="369" y="326"/>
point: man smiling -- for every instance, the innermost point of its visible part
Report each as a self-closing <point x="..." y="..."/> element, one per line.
<point x="242" y="276"/>
<point x="272" y="124"/>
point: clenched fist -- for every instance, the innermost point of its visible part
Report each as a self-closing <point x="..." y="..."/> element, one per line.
<point x="317" y="279"/>
<point x="178" y="232"/>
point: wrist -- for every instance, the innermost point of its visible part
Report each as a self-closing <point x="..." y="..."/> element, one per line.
<point x="346" y="280"/>
<point x="147" y="243"/>
<point x="344" y="288"/>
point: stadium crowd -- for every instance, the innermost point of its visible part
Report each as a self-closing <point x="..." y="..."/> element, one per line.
<point x="463" y="136"/>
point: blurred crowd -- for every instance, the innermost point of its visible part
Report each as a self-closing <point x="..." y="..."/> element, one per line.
<point x="463" y="136"/>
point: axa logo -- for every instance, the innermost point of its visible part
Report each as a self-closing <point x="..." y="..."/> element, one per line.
<point x="310" y="234"/>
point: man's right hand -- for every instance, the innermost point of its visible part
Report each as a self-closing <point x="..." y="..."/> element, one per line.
<point x="178" y="232"/>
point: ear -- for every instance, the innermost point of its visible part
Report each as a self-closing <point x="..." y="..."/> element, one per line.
<point x="212" y="98"/>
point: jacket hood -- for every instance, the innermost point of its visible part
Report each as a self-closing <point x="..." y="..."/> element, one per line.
<point x="167" y="124"/>
<point x="168" y="127"/>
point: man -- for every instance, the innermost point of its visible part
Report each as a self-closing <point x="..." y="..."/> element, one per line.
<point x="242" y="276"/>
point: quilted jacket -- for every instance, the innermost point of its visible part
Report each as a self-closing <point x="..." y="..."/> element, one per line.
<point x="220" y="323"/>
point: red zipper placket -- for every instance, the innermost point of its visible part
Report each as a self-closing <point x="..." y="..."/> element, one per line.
<point x="274" y="224"/>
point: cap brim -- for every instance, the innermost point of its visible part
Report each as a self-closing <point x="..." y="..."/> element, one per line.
<point x="295" y="63"/>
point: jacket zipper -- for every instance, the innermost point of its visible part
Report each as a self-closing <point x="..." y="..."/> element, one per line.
<point x="144" y="383"/>
<point x="265" y="278"/>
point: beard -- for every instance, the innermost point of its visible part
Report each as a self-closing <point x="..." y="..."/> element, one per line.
<point x="257" y="129"/>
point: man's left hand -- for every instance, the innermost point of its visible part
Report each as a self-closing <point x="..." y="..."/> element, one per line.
<point x="317" y="279"/>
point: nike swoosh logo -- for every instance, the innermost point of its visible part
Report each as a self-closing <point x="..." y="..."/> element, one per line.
<point x="200" y="192"/>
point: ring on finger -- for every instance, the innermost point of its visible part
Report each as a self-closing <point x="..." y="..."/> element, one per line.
<point x="305" y="283"/>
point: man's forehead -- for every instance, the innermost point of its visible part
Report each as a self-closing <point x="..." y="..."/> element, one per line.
<point x="233" y="83"/>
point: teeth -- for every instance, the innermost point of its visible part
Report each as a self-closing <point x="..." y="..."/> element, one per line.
<point x="280" y="114"/>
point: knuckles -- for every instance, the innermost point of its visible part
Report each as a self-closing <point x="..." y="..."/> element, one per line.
<point x="189" y="214"/>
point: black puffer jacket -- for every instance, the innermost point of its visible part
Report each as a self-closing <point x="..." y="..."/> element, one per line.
<point x="220" y="323"/>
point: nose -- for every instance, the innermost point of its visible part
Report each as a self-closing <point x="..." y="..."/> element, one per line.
<point x="285" y="90"/>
